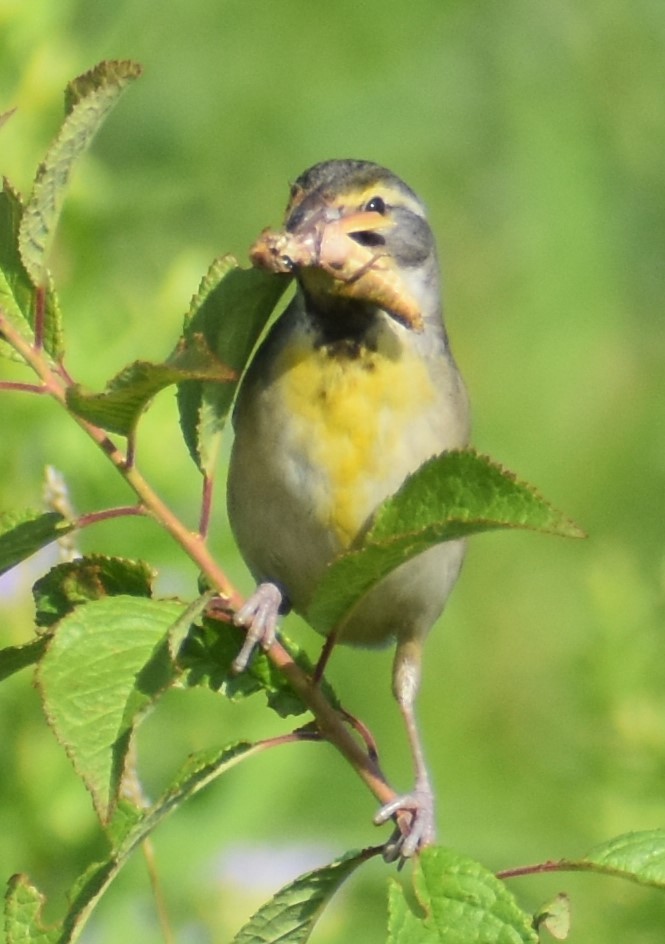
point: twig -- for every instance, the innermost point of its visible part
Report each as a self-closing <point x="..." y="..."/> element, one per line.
<point x="123" y="511"/>
<point x="206" y="505"/>
<point x="40" y="310"/>
<point x="21" y="387"/>
<point x="132" y="789"/>
<point x="148" y="850"/>
<point x="329" y="721"/>
<point x="191" y="543"/>
<point x="560" y="865"/>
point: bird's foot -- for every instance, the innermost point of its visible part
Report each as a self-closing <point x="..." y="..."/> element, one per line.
<point x="415" y="829"/>
<point x="259" y="614"/>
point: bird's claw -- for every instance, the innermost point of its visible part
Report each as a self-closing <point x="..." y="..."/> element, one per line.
<point x="415" y="829"/>
<point x="259" y="614"/>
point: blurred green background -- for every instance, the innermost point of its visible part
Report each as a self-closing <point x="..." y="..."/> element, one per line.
<point x="535" y="132"/>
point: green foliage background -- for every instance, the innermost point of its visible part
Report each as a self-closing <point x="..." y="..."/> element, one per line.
<point x="534" y="131"/>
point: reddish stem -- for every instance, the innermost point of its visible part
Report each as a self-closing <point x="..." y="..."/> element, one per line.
<point x="40" y="309"/>
<point x="56" y="386"/>
<point x="329" y="721"/>
<point x="130" y="458"/>
<point x="64" y="373"/>
<point x="326" y="652"/>
<point x="123" y="511"/>
<point x="206" y="505"/>
<point x="293" y="737"/>
<point x="365" y="734"/>
<point x="561" y="865"/>
<point x="22" y="387"/>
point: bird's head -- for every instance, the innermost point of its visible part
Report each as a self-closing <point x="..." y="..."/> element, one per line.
<point x="355" y="232"/>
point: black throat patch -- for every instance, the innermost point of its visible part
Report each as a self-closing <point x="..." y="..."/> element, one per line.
<point x="345" y="329"/>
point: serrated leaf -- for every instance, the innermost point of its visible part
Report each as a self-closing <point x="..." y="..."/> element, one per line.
<point x="130" y="827"/>
<point x="126" y="817"/>
<point x="471" y="489"/>
<point x="89" y="578"/>
<point x="638" y="856"/>
<point x="17" y="293"/>
<point x="24" y="533"/>
<point x="199" y="770"/>
<point x="217" y="269"/>
<point x="451" y="496"/>
<point x="196" y="410"/>
<point x="16" y="289"/>
<point x="182" y="628"/>
<point x="291" y="915"/>
<point x="15" y="658"/>
<point x="127" y="830"/>
<point x="119" y="407"/>
<point x="461" y="902"/>
<point x="206" y="656"/>
<point x="208" y="651"/>
<point x="88" y="100"/>
<point x="111" y="72"/>
<point x="23" y="914"/>
<point x="230" y="310"/>
<point x="105" y="664"/>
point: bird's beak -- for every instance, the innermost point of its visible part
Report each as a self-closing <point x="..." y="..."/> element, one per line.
<point x="339" y="253"/>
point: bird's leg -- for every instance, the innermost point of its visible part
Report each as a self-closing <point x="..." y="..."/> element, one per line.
<point x="417" y="828"/>
<point x="259" y="614"/>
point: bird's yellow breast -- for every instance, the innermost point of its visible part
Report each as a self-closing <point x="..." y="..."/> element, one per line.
<point x="353" y="411"/>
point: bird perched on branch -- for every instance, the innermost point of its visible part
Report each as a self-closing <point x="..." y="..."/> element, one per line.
<point x="352" y="390"/>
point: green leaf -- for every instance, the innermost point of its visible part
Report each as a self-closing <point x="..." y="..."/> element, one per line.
<point x="105" y="664"/>
<point x="15" y="658"/>
<point x="638" y="856"/>
<point x="130" y="827"/>
<point x="197" y="772"/>
<point x="16" y="289"/>
<point x="230" y="310"/>
<point x="208" y="651"/>
<point x="104" y="81"/>
<point x="119" y="407"/>
<point x="22" y="534"/>
<point x="473" y="490"/>
<point x="461" y="903"/>
<point x="554" y="917"/>
<point x="17" y="293"/>
<point x="184" y="626"/>
<point x="88" y="101"/>
<point x="23" y="915"/>
<point x="451" y="496"/>
<point x="93" y="577"/>
<point x="290" y="916"/>
<point x="127" y="830"/>
<point x="217" y="269"/>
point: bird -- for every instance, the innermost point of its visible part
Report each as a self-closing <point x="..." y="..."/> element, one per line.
<point x="353" y="388"/>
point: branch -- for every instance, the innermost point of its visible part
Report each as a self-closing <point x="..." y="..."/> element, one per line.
<point x="330" y="723"/>
<point x="552" y="865"/>
<point x="124" y="511"/>
<point x="56" y="386"/>
<point x="21" y="387"/>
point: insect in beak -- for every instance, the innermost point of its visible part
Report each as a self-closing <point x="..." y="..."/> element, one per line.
<point x="348" y="249"/>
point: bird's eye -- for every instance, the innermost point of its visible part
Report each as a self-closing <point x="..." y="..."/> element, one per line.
<point x="376" y="205"/>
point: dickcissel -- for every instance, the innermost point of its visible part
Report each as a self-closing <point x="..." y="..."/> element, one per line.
<point x="351" y="391"/>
